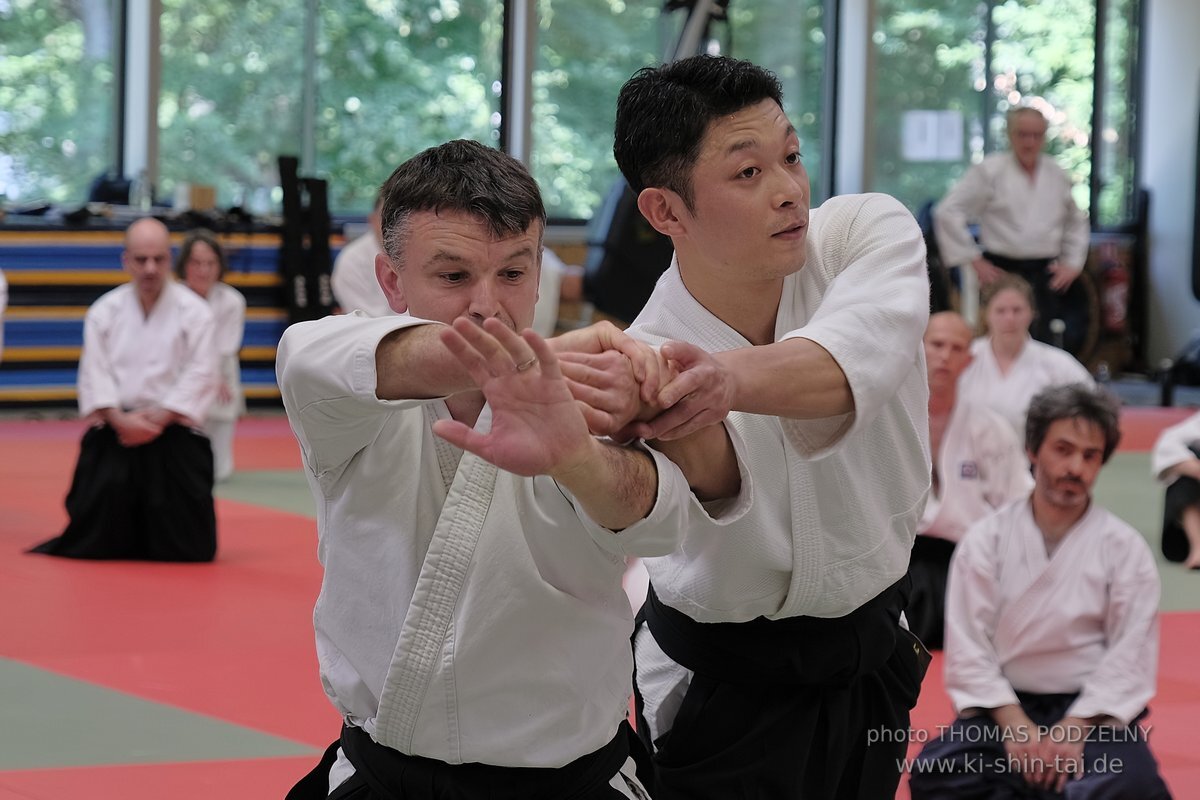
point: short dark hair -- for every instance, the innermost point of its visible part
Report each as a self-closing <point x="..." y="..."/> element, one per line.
<point x="185" y="252"/>
<point x="663" y="113"/>
<point x="464" y="176"/>
<point x="1073" y="401"/>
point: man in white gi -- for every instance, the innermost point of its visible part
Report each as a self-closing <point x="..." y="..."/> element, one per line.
<point x="1051" y="631"/>
<point x="353" y="276"/>
<point x="472" y="630"/>
<point x="1176" y="462"/>
<point x="143" y="483"/>
<point x="1028" y="224"/>
<point x="978" y="466"/>
<point x="772" y="642"/>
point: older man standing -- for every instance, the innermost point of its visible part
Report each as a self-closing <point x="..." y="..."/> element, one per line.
<point x="143" y="484"/>
<point x="1028" y="221"/>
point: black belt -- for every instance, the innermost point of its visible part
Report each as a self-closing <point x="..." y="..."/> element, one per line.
<point x="390" y="773"/>
<point x="1035" y="265"/>
<point x="810" y="651"/>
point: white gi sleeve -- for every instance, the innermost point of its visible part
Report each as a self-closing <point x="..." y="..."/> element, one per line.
<point x="1124" y="680"/>
<point x="962" y="205"/>
<point x="660" y="531"/>
<point x="872" y="317"/>
<point x="196" y="387"/>
<point x="972" y="670"/>
<point x="1171" y="448"/>
<point x="327" y="378"/>
<point x="1077" y="231"/>
<point x="231" y="321"/>
<point x="97" y="383"/>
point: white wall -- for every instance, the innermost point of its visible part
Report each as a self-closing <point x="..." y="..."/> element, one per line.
<point x="1168" y="161"/>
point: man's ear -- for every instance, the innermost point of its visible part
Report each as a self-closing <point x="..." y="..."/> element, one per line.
<point x="663" y="209"/>
<point x="389" y="281"/>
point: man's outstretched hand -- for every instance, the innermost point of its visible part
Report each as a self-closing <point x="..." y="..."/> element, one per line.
<point x="538" y="428"/>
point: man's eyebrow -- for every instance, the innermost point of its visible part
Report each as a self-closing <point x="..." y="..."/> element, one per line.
<point x="445" y="257"/>
<point x="749" y="144"/>
<point x="525" y="251"/>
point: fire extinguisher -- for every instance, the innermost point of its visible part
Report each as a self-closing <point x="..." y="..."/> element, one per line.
<point x="1114" y="289"/>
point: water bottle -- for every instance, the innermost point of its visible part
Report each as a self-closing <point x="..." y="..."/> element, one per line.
<point x="141" y="195"/>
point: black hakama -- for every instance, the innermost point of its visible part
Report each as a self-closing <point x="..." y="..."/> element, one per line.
<point x="153" y="502"/>
<point x="929" y="567"/>
<point x="804" y="707"/>
<point x="1183" y="492"/>
<point x="968" y="761"/>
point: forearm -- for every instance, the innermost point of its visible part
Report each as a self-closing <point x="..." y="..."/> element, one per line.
<point x="795" y="378"/>
<point x="413" y="363"/>
<point x="616" y="486"/>
<point x="708" y="460"/>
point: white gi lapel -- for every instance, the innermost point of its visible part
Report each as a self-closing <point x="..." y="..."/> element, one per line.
<point x="1049" y="585"/>
<point x="418" y="653"/>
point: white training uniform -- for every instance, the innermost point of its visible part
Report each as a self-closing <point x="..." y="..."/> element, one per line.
<point x="828" y="508"/>
<point x="1037" y="367"/>
<point x="981" y="466"/>
<point x="132" y="361"/>
<point x="1083" y="620"/>
<point x="353" y="279"/>
<point x="229" y="313"/>
<point x="1172" y="447"/>
<point x="1017" y="217"/>
<point x="466" y="614"/>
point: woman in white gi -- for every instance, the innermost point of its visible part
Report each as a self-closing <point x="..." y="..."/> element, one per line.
<point x="1051" y="632"/>
<point x="1008" y="367"/>
<point x="201" y="265"/>
<point x="1176" y="462"/>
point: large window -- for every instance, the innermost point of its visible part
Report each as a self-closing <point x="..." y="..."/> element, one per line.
<point x="945" y="74"/>
<point x="395" y="78"/>
<point x="57" y="96"/>
<point x="353" y="87"/>
<point x="230" y="100"/>
<point x="586" y="50"/>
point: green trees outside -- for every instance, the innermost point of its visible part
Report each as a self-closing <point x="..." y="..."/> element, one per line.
<point x="395" y="76"/>
<point x="56" y="98"/>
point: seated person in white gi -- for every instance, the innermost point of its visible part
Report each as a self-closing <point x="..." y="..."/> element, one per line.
<point x="1051" y="631"/>
<point x="201" y="265"/>
<point x="752" y="677"/>
<point x="471" y="629"/>
<point x="1176" y="462"/>
<point x="1008" y="367"/>
<point x="978" y="466"/>
<point x="142" y="487"/>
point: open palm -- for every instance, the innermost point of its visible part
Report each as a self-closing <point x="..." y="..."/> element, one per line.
<point x="537" y="426"/>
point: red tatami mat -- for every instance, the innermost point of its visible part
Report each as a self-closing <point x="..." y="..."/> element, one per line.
<point x="261" y="779"/>
<point x="234" y="639"/>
